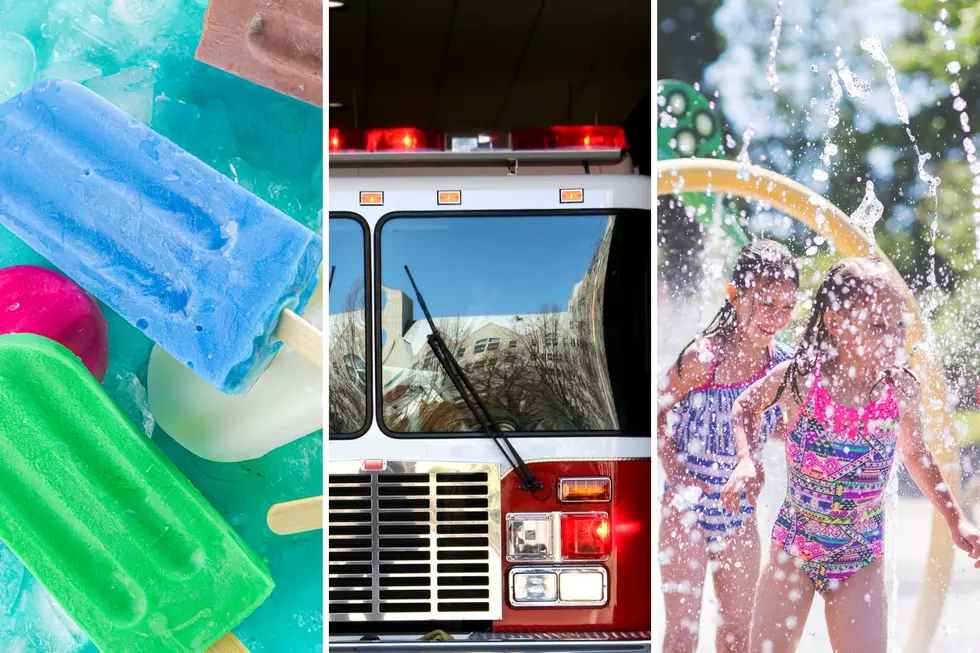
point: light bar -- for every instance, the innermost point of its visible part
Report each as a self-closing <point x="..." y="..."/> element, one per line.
<point x="585" y="143"/>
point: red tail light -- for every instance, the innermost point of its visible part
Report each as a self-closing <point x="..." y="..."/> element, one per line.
<point x="585" y="536"/>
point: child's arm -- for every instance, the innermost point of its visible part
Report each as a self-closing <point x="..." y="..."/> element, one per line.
<point x="694" y="374"/>
<point x="747" y="414"/>
<point x="925" y="470"/>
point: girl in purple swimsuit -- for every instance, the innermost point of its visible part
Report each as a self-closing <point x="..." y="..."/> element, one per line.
<point x="697" y="449"/>
<point x="848" y="408"/>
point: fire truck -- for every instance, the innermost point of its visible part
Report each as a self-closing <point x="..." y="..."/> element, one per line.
<point x="490" y="391"/>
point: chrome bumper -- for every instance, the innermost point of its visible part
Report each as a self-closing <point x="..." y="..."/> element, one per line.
<point x="493" y="646"/>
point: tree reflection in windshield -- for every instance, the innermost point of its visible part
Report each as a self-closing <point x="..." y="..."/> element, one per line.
<point x="348" y="349"/>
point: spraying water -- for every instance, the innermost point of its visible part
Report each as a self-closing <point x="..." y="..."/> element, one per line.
<point x="868" y="213"/>
<point x="744" y="162"/>
<point x="856" y="87"/>
<point x="873" y="46"/>
<point x="771" y="75"/>
<point x="836" y="93"/>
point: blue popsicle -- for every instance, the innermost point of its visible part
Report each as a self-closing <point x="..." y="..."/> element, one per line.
<point x="183" y="253"/>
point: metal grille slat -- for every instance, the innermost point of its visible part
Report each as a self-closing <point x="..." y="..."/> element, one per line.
<point x="389" y="530"/>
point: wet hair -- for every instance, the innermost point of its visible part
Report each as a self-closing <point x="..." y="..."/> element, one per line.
<point x="760" y="261"/>
<point x="843" y="279"/>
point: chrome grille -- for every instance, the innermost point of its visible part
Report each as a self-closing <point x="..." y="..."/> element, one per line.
<point x="415" y="542"/>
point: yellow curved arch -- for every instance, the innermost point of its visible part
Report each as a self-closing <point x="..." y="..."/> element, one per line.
<point x="801" y="203"/>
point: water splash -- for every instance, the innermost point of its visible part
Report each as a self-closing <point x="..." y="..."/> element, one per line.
<point x="971" y="157"/>
<point x="893" y="537"/>
<point x="873" y="47"/>
<point x="856" y="87"/>
<point x="744" y="162"/>
<point x="836" y="94"/>
<point x="771" y="75"/>
<point x="868" y="213"/>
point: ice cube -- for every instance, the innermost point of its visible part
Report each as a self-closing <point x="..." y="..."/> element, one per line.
<point x="131" y="396"/>
<point x="80" y="72"/>
<point x="131" y="89"/>
<point x="11" y="582"/>
<point x="19" y="68"/>
<point x="21" y="17"/>
<point x="143" y="20"/>
<point x="69" y="10"/>
<point x="49" y="628"/>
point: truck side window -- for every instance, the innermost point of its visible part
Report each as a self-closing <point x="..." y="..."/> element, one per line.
<point x="348" y="372"/>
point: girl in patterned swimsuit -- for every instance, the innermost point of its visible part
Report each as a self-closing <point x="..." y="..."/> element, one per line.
<point x="848" y="407"/>
<point x="698" y="393"/>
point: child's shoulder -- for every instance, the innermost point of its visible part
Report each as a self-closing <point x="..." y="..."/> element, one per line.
<point x="905" y="381"/>
<point x="695" y="364"/>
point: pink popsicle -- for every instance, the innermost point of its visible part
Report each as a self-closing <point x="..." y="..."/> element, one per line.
<point x="45" y="303"/>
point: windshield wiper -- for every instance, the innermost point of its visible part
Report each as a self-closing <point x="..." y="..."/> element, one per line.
<point x="472" y="399"/>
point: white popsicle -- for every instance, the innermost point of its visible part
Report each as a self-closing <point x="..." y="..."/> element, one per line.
<point x="284" y="404"/>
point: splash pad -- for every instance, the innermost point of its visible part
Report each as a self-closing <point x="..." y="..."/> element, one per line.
<point x="714" y="176"/>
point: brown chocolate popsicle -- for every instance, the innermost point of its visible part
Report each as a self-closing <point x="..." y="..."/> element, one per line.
<point x="275" y="43"/>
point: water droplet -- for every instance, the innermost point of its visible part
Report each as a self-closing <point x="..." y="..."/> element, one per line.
<point x="868" y="213"/>
<point x="873" y="47"/>
<point x="953" y="67"/>
<point x="771" y="76"/>
<point x="959" y="104"/>
<point x="836" y="93"/>
<point x="142" y="324"/>
<point x="820" y="175"/>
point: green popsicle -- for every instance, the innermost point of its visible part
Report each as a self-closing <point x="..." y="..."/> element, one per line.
<point x="125" y="544"/>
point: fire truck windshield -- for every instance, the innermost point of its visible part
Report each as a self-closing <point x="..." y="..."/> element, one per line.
<point x="547" y="315"/>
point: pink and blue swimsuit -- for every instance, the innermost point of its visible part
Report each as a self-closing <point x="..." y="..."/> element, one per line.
<point x="839" y="460"/>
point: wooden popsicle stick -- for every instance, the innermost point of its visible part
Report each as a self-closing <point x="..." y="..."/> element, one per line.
<point x="227" y="644"/>
<point x="297" y="516"/>
<point x="301" y="336"/>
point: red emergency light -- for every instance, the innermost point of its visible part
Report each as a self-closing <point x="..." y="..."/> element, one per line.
<point x="587" y="137"/>
<point x="402" y="139"/>
<point x="347" y="140"/>
<point x="410" y="139"/>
